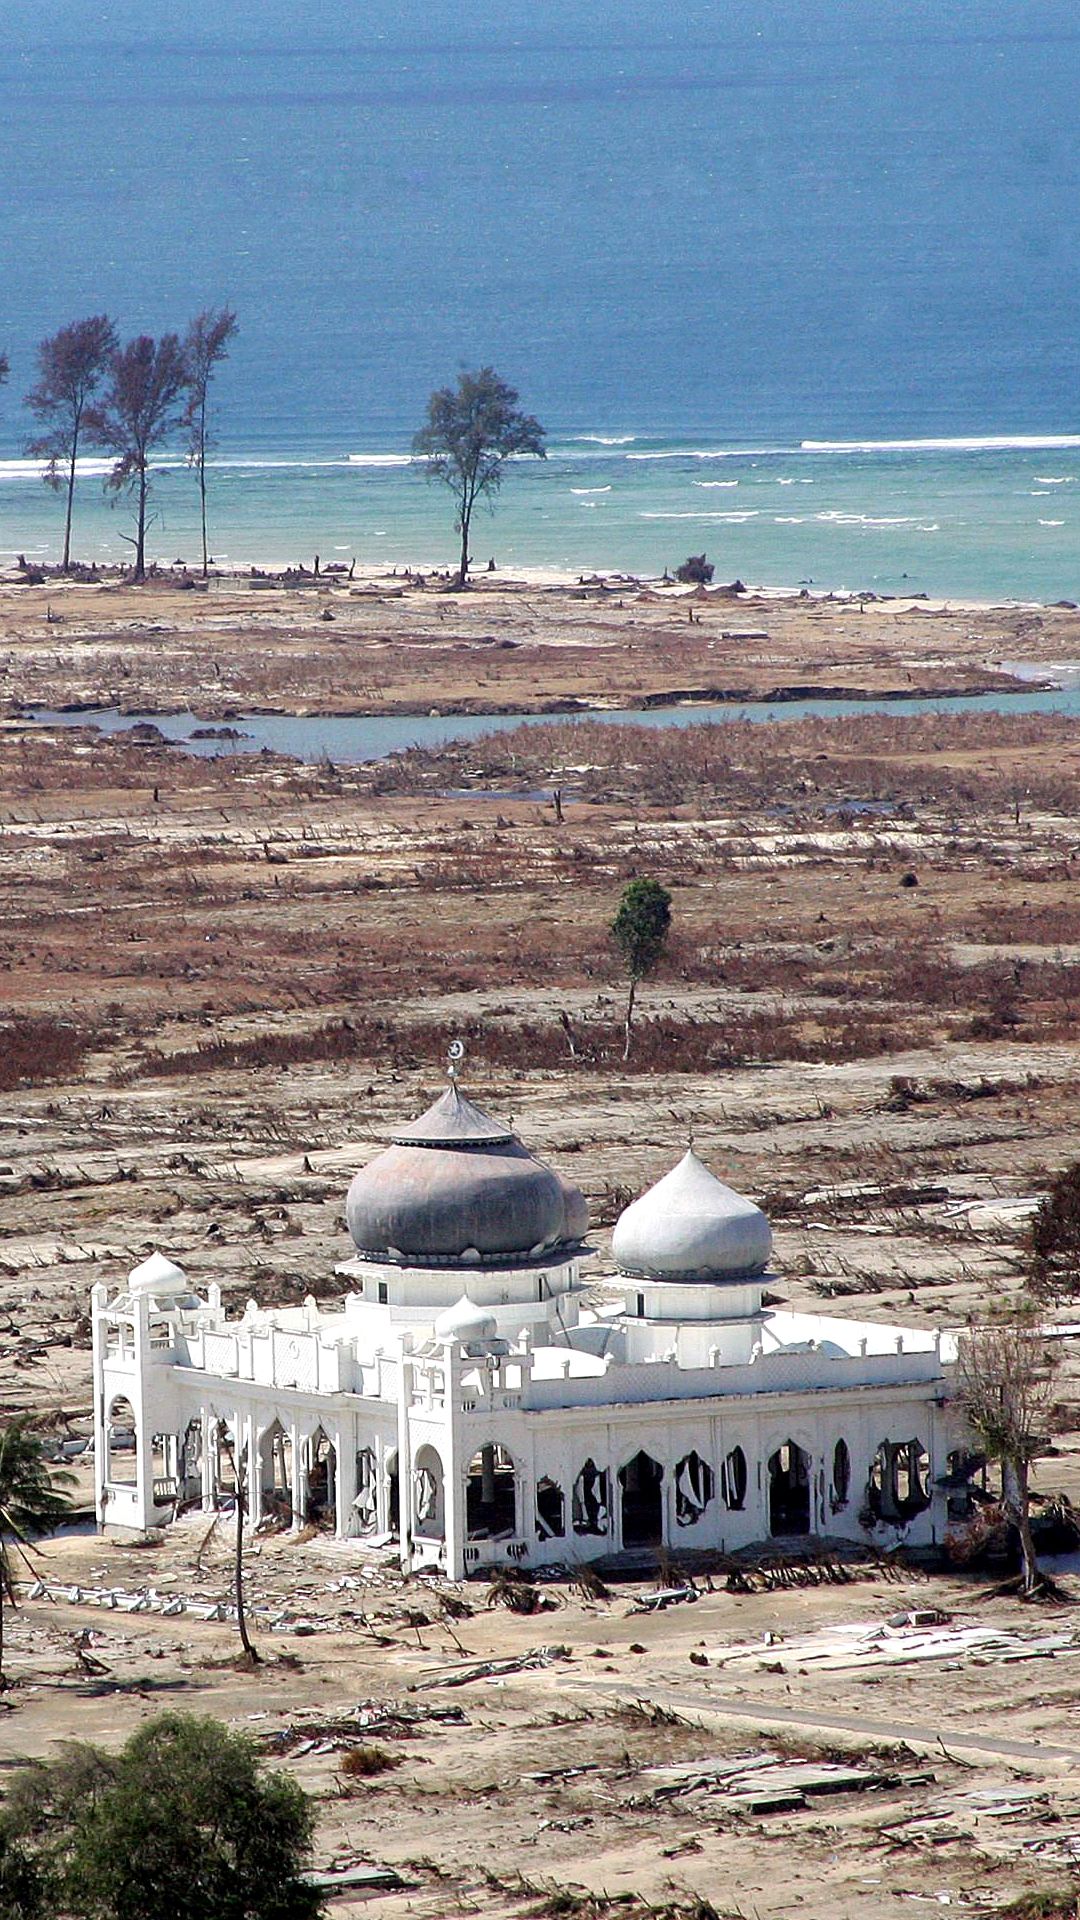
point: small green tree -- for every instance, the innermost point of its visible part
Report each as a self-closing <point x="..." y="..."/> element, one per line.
<point x="1005" y="1380"/>
<point x="23" y="1891"/>
<point x="640" y="930"/>
<point x="470" y="433"/>
<point x="183" y="1824"/>
<point x="1054" y="1240"/>
<point x="32" y="1502"/>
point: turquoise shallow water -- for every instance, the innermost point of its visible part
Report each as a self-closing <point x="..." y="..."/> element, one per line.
<point x="851" y="221"/>
<point x="957" y="520"/>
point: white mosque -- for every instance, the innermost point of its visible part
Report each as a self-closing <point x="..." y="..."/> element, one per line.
<point x="464" y="1405"/>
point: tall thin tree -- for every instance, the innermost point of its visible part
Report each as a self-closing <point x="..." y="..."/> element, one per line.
<point x="237" y="1456"/>
<point x="71" y="367"/>
<point x="206" y="344"/>
<point x="639" y="931"/>
<point x="32" y="1501"/>
<point x="140" y="408"/>
<point x="470" y="433"/>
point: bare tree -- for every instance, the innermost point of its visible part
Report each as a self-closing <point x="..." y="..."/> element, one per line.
<point x="139" y="409"/>
<point x="238" y="1458"/>
<point x="1005" y="1376"/>
<point x="471" y="431"/>
<point x="205" y="346"/>
<point x="71" y="367"/>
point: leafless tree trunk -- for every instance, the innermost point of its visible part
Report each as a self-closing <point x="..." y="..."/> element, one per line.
<point x="630" y="998"/>
<point x="253" y="1657"/>
<point x="1005" y="1376"/>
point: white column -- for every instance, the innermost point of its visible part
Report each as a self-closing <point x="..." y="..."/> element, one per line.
<point x="344" y="1439"/>
<point x="207" y="1466"/>
<point x="298" y="1488"/>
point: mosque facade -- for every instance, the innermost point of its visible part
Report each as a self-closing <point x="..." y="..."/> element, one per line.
<point x="474" y="1402"/>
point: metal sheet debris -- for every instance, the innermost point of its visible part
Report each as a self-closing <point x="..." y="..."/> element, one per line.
<point x="866" y="1644"/>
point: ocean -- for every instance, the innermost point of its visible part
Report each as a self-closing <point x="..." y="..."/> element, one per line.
<point x="795" y="285"/>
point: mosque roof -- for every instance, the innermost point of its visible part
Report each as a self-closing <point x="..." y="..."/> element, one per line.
<point x="457" y="1188"/>
<point x="691" y="1227"/>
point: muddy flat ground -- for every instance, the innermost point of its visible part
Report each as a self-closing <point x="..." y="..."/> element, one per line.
<point x="225" y="979"/>
<point x="327" y="645"/>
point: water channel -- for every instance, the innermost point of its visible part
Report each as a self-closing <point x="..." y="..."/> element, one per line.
<point x="353" y="738"/>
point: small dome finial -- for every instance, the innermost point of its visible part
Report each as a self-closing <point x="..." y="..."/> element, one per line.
<point x="455" y="1054"/>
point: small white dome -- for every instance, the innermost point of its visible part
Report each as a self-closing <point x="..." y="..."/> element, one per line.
<point x="158" y="1275"/>
<point x="467" y="1322"/>
<point x="691" y="1227"/>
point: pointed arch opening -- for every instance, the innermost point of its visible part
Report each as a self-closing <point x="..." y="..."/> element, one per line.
<point x="734" y="1480"/>
<point x="789" y="1490"/>
<point x="321" y="1478"/>
<point x="276" y="1473"/>
<point x="695" y="1485"/>
<point x="590" y="1503"/>
<point x="550" y="1510"/>
<point x="429" y="1521"/>
<point x="641" y="1482"/>
<point x="490" y="1494"/>
<point x="366" y="1500"/>
<point x="122" y="1443"/>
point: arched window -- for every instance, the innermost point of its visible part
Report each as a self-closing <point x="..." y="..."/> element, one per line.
<point x="429" y="1523"/>
<point x="366" y="1503"/>
<point x="590" y="1505"/>
<point x="733" y="1480"/>
<point x="899" y="1484"/>
<point x="789" y="1489"/>
<point x="841" y="1476"/>
<point x="550" y="1510"/>
<point x="694" y="1489"/>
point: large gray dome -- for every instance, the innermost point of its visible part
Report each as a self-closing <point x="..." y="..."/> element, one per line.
<point x="691" y="1227"/>
<point x="455" y="1188"/>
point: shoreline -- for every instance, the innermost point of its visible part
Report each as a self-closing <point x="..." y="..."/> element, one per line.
<point x="434" y="579"/>
<point x="388" y="646"/>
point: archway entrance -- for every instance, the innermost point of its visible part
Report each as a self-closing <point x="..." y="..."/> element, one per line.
<point x="275" y="1473"/>
<point x="366" y="1502"/>
<point x="641" y="1481"/>
<point x="490" y="1495"/>
<point x="121" y="1443"/>
<point x="322" y="1478"/>
<point x="789" y="1489"/>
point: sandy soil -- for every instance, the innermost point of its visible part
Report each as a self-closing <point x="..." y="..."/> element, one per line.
<point x="224" y="979"/>
<point x="387" y="647"/>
